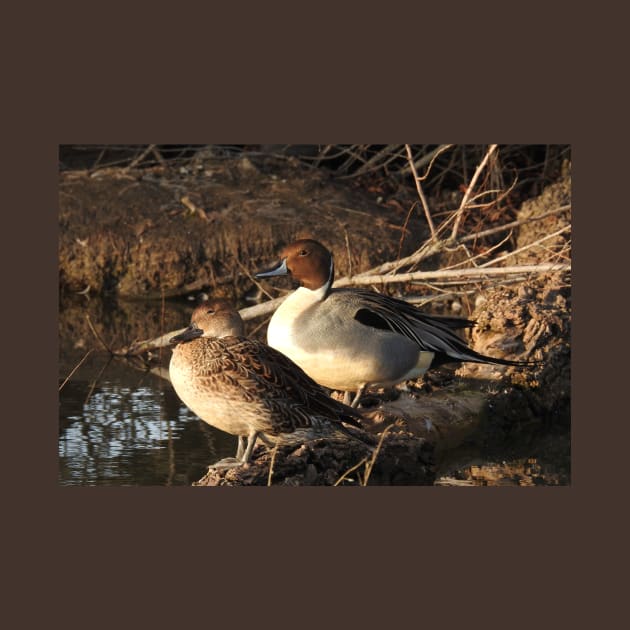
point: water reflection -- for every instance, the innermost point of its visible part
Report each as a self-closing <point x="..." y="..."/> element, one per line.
<point x="119" y="425"/>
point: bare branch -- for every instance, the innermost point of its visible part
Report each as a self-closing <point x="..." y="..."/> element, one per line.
<point x="98" y="337"/>
<point x="462" y="206"/>
<point x="139" y="158"/>
<point x="76" y="367"/>
<point x="369" y="465"/>
<point x="390" y="152"/>
<point x="509" y="226"/>
<point x="474" y="272"/>
<point x="350" y="470"/>
<point x="151" y="344"/>
<point x="566" y="228"/>
<point x="423" y="200"/>
<point x="427" y="158"/>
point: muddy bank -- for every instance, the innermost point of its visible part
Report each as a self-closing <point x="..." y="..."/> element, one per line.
<point x="166" y="232"/>
<point x="163" y="233"/>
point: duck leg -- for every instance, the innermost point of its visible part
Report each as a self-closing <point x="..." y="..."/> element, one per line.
<point x="243" y="453"/>
<point x="358" y="395"/>
<point x="251" y="441"/>
<point x="240" y="448"/>
<point x="231" y="462"/>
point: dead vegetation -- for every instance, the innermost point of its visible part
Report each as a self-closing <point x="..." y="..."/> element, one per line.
<point x="480" y="231"/>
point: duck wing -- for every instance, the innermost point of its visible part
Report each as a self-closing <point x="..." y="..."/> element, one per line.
<point x="432" y="333"/>
<point x="292" y="396"/>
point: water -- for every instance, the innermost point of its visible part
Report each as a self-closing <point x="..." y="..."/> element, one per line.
<point x="118" y="424"/>
<point x="121" y="424"/>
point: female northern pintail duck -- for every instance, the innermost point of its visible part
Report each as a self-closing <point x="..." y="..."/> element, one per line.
<point x="347" y="339"/>
<point x="244" y="387"/>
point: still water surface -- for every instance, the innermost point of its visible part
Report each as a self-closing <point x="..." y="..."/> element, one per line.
<point x="119" y="425"/>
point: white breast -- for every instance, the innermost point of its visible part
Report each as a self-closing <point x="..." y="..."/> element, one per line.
<point x="280" y="332"/>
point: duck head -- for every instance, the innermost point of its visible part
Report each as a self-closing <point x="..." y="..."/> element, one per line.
<point x="212" y="318"/>
<point x="307" y="261"/>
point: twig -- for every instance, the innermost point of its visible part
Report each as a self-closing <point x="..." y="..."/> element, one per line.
<point x="345" y="233"/>
<point x="141" y="157"/>
<point x="436" y="285"/>
<point x="370" y="465"/>
<point x="391" y="151"/>
<point x="158" y="156"/>
<point x="321" y="154"/>
<point x="273" y="459"/>
<point x="476" y="272"/>
<point x="95" y="381"/>
<point x="404" y="229"/>
<point x="423" y="200"/>
<point x="76" y="367"/>
<point x="566" y="228"/>
<point x="100" y="339"/>
<point x="433" y="246"/>
<point x="162" y="316"/>
<point x="139" y="347"/>
<point x="98" y="159"/>
<point x="428" y="249"/>
<point x="428" y="157"/>
<point x="470" y="258"/>
<point x="507" y="226"/>
<point x="344" y="476"/>
<point x="460" y="211"/>
<point x="247" y="273"/>
<point x="352" y="151"/>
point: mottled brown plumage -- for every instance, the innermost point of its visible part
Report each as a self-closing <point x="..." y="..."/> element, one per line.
<point x="246" y="388"/>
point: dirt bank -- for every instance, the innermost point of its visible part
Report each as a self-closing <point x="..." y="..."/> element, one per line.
<point x="164" y="231"/>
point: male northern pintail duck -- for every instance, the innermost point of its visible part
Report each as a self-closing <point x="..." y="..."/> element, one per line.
<point x="246" y="388"/>
<point x="347" y="339"/>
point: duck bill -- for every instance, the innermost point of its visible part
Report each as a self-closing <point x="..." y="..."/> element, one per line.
<point x="279" y="270"/>
<point x="192" y="332"/>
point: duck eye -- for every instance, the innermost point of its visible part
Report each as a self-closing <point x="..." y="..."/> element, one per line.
<point x="210" y="311"/>
<point x="303" y="252"/>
